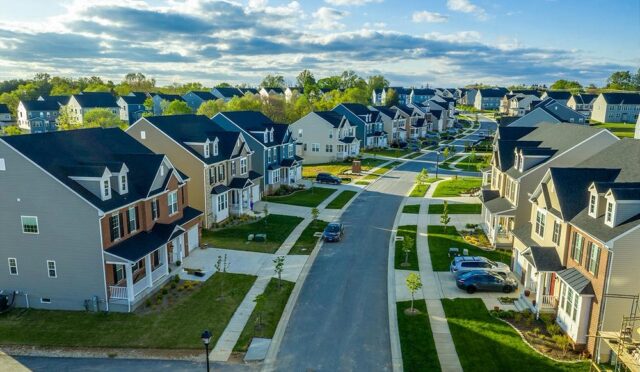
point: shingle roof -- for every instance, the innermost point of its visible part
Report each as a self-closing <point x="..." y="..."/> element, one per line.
<point x="571" y="187"/>
<point x="559" y="94"/>
<point x="205" y="96"/>
<point x="584" y="98"/>
<point x="498" y="205"/>
<point x="386" y="110"/>
<point x="576" y="281"/>
<point x="255" y="121"/>
<point x="61" y="100"/>
<point x="169" y="97"/>
<point x="331" y="117"/>
<point x="96" y="99"/>
<point x="248" y="90"/>
<point x="546" y="258"/>
<point x="4" y="109"/>
<point x="405" y="109"/>
<point x="134" y="100"/>
<point x="357" y="110"/>
<point x="423" y="92"/>
<point x="229" y="92"/>
<point x="41" y="105"/>
<point x="493" y="92"/>
<point x="619" y="98"/>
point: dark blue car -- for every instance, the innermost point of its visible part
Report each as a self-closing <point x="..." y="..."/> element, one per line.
<point x="333" y="232"/>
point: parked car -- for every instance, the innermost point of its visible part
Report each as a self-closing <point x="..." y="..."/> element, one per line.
<point x="333" y="232"/>
<point x="461" y="264"/>
<point x="480" y="280"/>
<point x="328" y="178"/>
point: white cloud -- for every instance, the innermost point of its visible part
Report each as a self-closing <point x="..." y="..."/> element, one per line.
<point x="429" y="17"/>
<point x="351" y="2"/>
<point x="465" y="6"/>
<point x="456" y="37"/>
<point x="328" y="19"/>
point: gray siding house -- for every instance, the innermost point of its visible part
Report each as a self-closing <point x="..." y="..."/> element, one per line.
<point x="368" y="122"/>
<point x="549" y="111"/>
<point x="161" y="100"/>
<point x="194" y="99"/>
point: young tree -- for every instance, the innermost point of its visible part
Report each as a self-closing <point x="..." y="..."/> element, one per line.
<point x="259" y="300"/>
<point x="315" y="213"/>
<point x="407" y="247"/>
<point x="422" y="177"/>
<point x="66" y="119"/>
<point x="148" y="107"/>
<point x="279" y="268"/>
<point x="563" y="342"/>
<point x="176" y="108"/>
<point x="210" y="108"/>
<point x="221" y="267"/>
<point x="266" y="213"/>
<point x="444" y="217"/>
<point x="472" y="157"/>
<point x="273" y="81"/>
<point x="391" y="98"/>
<point x="101" y="117"/>
<point x="305" y="79"/>
<point x="446" y="152"/>
<point x="414" y="283"/>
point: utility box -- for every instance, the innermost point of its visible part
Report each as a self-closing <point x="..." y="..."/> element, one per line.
<point x="356" y="167"/>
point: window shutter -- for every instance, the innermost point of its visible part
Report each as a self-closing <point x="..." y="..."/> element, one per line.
<point x="115" y="274"/>
<point x="128" y="217"/>
<point x="121" y="224"/>
<point x="157" y="208"/>
<point x="595" y="271"/>
<point x="137" y="218"/>
<point x="111" y="229"/>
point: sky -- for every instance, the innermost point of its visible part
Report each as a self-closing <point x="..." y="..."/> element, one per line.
<point x="410" y="42"/>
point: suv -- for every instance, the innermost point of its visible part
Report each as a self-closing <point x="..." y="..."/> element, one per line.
<point x="475" y="280"/>
<point x="462" y="264"/>
<point x="328" y="178"/>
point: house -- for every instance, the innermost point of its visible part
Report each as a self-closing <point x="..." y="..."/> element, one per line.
<point x="38" y="116"/>
<point x="272" y="144"/>
<point x="131" y="107"/>
<point x="61" y="100"/>
<point x="549" y="111"/>
<point x="582" y="103"/>
<point x="616" y="107"/>
<point x="265" y="93"/>
<point x="505" y="102"/>
<point x="324" y="137"/>
<point x="226" y="93"/>
<point x="292" y="92"/>
<point x="368" y="122"/>
<point x="217" y="161"/>
<point x="195" y="98"/>
<point x="403" y="95"/>
<point x="421" y="95"/>
<point x="161" y="100"/>
<point x="376" y="97"/>
<point x="578" y="252"/>
<point x="91" y="220"/>
<point x="392" y="121"/>
<point x="5" y="114"/>
<point x="560" y="96"/>
<point x="489" y="98"/>
<point x="469" y="97"/>
<point x="521" y="104"/>
<point x="252" y="91"/>
<point x="80" y="104"/>
<point x="521" y="156"/>
<point x="417" y="119"/>
<point x="637" y="130"/>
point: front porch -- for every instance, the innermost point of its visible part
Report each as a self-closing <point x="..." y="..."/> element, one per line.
<point x="349" y="149"/>
<point x="377" y="139"/>
<point x="498" y="217"/>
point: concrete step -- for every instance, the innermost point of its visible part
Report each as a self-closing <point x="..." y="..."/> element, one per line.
<point x="520" y="305"/>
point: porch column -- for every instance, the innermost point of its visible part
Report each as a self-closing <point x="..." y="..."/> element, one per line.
<point x="239" y="199"/>
<point x="542" y="276"/>
<point x="165" y="259"/>
<point x="148" y="270"/>
<point x="129" y="274"/>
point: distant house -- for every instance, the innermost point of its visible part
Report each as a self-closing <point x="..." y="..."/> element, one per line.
<point x="549" y="111"/>
<point x="246" y="91"/>
<point x="403" y="95"/>
<point x="61" y="100"/>
<point x="489" y="98"/>
<point x="226" y="93"/>
<point x="417" y="121"/>
<point x="38" y="116"/>
<point x="5" y="114"/>
<point x="560" y="96"/>
<point x="469" y="97"/>
<point x="80" y="104"/>
<point x="272" y="144"/>
<point x="394" y="123"/>
<point x="521" y="104"/>
<point x="368" y="122"/>
<point x="131" y="107"/>
<point x="418" y="96"/>
<point x="376" y="97"/>
<point x="161" y="100"/>
<point x="268" y="92"/>
<point x="616" y="107"/>
<point x="324" y="136"/>
<point x="195" y="98"/>
<point x="582" y="103"/>
<point x="292" y="92"/>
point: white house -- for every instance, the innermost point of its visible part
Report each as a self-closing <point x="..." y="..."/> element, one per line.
<point x="325" y="136"/>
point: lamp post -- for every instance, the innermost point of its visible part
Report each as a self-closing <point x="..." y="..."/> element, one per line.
<point x="437" y="159"/>
<point x="206" y="338"/>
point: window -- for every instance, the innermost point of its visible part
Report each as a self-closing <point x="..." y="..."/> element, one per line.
<point x="155" y="209"/>
<point x="557" y="228"/>
<point x="51" y="269"/>
<point x="119" y="273"/>
<point x="290" y="150"/>
<point x="609" y="218"/>
<point x="215" y="148"/>
<point x="594" y="259"/>
<point x="540" y="220"/>
<point x="271" y="135"/>
<point x="13" y="266"/>
<point x="576" y="252"/>
<point x="304" y="147"/>
<point x="223" y="202"/>
<point x="115" y="227"/>
<point x="275" y="176"/>
<point x="132" y="219"/>
<point x="106" y="189"/>
<point x="155" y="259"/>
<point x="212" y="176"/>
<point x="575" y="306"/>
<point x="3" y="166"/>
<point x="243" y="166"/>
<point x="331" y="134"/>
<point x="29" y="224"/>
<point x="592" y="204"/>
<point x="329" y="148"/>
<point x="221" y="172"/>
<point x="569" y="299"/>
<point x="315" y="147"/>
<point x="268" y="155"/>
<point x="172" y="201"/>
<point x="233" y="168"/>
<point x="206" y="150"/>
<point x="266" y="137"/>
<point x="45" y="300"/>
<point x="123" y="183"/>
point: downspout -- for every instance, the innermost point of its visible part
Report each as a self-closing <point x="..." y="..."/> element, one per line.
<point x="104" y="274"/>
<point x="596" y="350"/>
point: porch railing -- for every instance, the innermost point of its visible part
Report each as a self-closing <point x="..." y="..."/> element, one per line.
<point x="140" y="285"/>
<point x="118" y="293"/>
<point x="549" y="301"/>
<point x="158" y="273"/>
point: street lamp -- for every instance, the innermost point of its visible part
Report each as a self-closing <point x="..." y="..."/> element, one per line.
<point x="437" y="159"/>
<point x="206" y="338"/>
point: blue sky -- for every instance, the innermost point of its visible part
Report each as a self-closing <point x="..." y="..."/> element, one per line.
<point x="413" y="43"/>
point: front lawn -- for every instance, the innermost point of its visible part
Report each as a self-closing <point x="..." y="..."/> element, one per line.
<point x="341" y="200"/>
<point x="619" y="129"/>
<point x="391" y="152"/>
<point x="273" y="303"/>
<point x="416" y="340"/>
<point x="406" y="231"/>
<point x="447" y="163"/>
<point x="411" y="208"/>
<point x="338" y="168"/>
<point x="178" y="327"/>
<point x="311" y="197"/>
<point x="485" y="343"/>
<point x="276" y="226"/>
<point x="440" y="241"/>
<point x="306" y="242"/>
<point x="456" y="187"/>
<point x="456" y="208"/>
<point x="473" y="164"/>
<point x="420" y="190"/>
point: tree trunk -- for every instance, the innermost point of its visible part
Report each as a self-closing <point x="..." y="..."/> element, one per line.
<point x="406" y="258"/>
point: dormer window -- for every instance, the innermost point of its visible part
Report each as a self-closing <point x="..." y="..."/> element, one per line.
<point x="206" y="150"/>
<point x="609" y="213"/>
<point x="215" y="148"/>
<point x="106" y="189"/>
<point x="271" y="135"/>
<point x="266" y="137"/>
<point x="593" y="205"/>
<point x="123" y="184"/>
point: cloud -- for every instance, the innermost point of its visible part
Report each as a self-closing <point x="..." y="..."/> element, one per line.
<point x="328" y="19"/>
<point x="429" y="17"/>
<point x="351" y="2"/>
<point x="465" y="6"/>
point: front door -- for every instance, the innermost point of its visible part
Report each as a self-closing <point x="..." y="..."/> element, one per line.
<point x="178" y="249"/>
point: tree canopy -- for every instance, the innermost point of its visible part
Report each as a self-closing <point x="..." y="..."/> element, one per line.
<point x="176" y="108"/>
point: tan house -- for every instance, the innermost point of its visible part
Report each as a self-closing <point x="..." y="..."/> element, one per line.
<point x="324" y="136"/>
<point x="218" y="162"/>
<point x="80" y="104"/>
<point x="616" y="107"/>
<point x="578" y="253"/>
<point x="521" y="157"/>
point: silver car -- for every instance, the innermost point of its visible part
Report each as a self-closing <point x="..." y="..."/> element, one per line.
<point x="462" y="264"/>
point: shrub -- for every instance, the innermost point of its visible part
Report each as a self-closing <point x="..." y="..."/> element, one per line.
<point x="554" y="329"/>
<point x="472" y="226"/>
<point x="148" y="302"/>
<point x="563" y="342"/>
<point x="178" y="263"/>
<point x="517" y="317"/>
<point x="173" y="285"/>
<point x="535" y="332"/>
<point x="165" y="291"/>
<point x="176" y="278"/>
<point x="547" y="319"/>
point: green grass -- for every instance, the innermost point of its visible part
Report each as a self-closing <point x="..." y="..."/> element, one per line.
<point x="619" y="129"/>
<point x="414" y="155"/>
<point x="337" y="168"/>
<point x="306" y="241"/>
<point x="392" y="153"/>
<point x="416" y="340"/>
<point x="275" y="299"/>
<point x="341" y="200"/>
<point x="380" y="171"/>
<point x="311" y="197"/>
<point x="447" y="163"/>
<point x="363" y="183"/>
<point x="420" y="191"/>
<point x="177" y="327"/>
<point x="440" y="242"/>
<point x="485" y="343"/>
<point x="475" y="165"/>
<point x="455" y="187"/>
<point x="456" y="208"/>
<point x="277" y="227"/>
<point x="411" y="208"/>
<point x="406" y="231"/>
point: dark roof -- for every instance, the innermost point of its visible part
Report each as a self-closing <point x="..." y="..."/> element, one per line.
<point x="331" y="117"/>
<point x="386" y="110"/>
<point x="528" y="92"/>
<point x="134" y="100"/>
<point x="169" y="97"/>
<point x="255" y="121"/>
<point x="288" y="162"/>
<point x="584" y="98"/>
<point x="219" y="189"/>
<point x="4" y="109"/>
<point x="489" y="194"/>
<point x="41" y="105"/>
<point x="348" y="139"/>
<point x="61" y="100"/>
<point x="229" y="92"/>
<point x="242" y="182"/>
<point x="559" y="94"/>
<point x="493" y="92"/>
<point x="404" y="108"/>
<point x="571" y="187"/>
<point x="423" y="92"/>
<point x="64" y="154"/>
<point x="205" y="96"/>
<point x="197" y="128"/>
<point x="619" y="98"/>
<point x="96" y="99"/>
<point x="498" y="205"/>
<point x="276" y="90"/>
<point x="576" y="280"/>
<point x="248" y="90"/>
<point x="546" y="258"/>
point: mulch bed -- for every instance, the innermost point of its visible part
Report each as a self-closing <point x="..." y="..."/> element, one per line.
<point x="543" y="342"/>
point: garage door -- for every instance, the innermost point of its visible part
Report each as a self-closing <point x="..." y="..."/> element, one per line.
<point x="192" y="236"/>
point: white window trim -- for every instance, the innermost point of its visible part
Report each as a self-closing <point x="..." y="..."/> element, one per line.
<point x="543" y="224"/>
<point x="28" y="232"/>
<point x="243" y="166"/>
<point x="105" y="190"/>
<point x="170" y="204"/>
<point x="593" y="204"/>
<point x="15" y="261"/>
<point x="132" y="214"/>
<point x="42" y="300"/>
<point x="123" y="183"/>
<point x="206" y="150"/>
<point x="55" y="269"/>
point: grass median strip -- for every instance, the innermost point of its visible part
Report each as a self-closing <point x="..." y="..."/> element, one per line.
<point x="311" y="197"/>
<point x="408" y="232"/>
<point x="266" y="315"/>
<point x="440" y="241"/>
<point x="277" y="228"/>
<point x="341" y="200"/>
<point x="307" y="240"/>
<point x="485" y="343"/>
<point x="420" y="190"/>
<point x="457" y="187"/>
<point x="473" y="163"/>
<point x="337" y="168"/>
<point x="172" y="328"/>
<point x="456" y="208"/>
<point x="411" y="208"/>
<point x="416" y="339"/>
